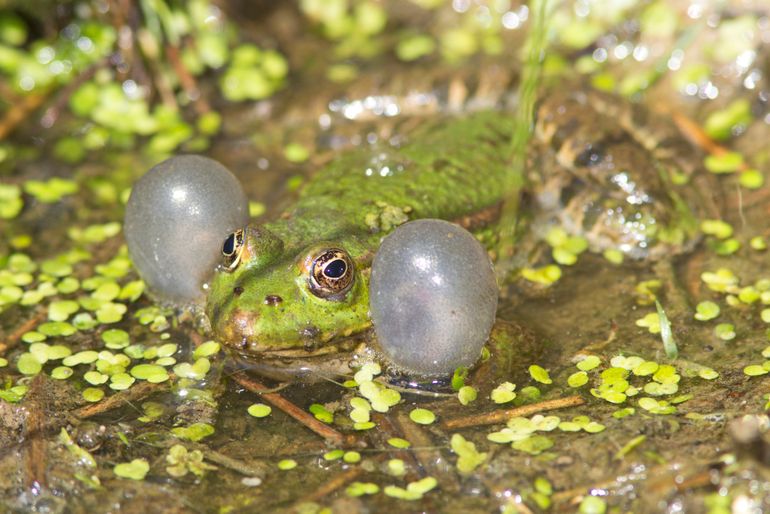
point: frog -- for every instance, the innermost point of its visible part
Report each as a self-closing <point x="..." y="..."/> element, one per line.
<point x="295" y="289"/>
<point x="618" y="176"/>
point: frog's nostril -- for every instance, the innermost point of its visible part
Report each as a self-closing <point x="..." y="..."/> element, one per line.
<point x="237" y="291"/>
<point x="273" y="299"/>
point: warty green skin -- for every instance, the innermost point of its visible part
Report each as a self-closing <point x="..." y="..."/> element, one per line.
<point x="447" y="169"/>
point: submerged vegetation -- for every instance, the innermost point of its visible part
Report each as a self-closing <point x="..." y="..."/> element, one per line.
<point x="109" y="399"/>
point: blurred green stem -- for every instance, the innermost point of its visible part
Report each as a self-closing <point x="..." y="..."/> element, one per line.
<point x="536" y="43"/>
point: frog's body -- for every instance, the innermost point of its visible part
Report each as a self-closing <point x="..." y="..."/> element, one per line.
<point x="448" y="170"/>
<point x="598" y="180"/>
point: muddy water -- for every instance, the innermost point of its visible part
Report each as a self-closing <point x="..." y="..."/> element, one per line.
<point x="680" y="461"/>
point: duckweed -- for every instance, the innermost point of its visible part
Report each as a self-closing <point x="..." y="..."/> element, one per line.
<point x="614" y="256"/>
<point x="137" y="469"/>
<point x="195" y="432"/>
<point x="121" y="381"/>
<point x="95" y="378"/>
<point x="725" y="331"/>
<point x="28" y="364"/>
<point x="654" y="406"/>
<point x="467" y="394"/>
<point x="592" y="505"/>
<point x="150" y="372"/>
<point x="207" y="349"/>
<point x="396" y="467"/>
<point x="357" y="489"/>
<point x="351" y="457"/>
<point x="50" y="191"/>
<point x="93" y="394"/>
<point x="413" y="491"/>
<point x="728" y="162"/>
<point x="706" y="310"/>
<point x="468" y="458"/>
<point x="503" y="393"/>
<point x="758" y="243"/>
<point x="422" y="416"/>
<point x="577" y="379"/>
<point x="546" y="275"/>
<point x="181" y="461"/>
<point x="539" y="374"/>
<point x="751" y="178"/>
<point x="115" y="339"/>
<point x="56" y="329"/>
<point x="708" y="374"/>
<point x="10" y="201"/>
<point x="287" y="464"/>
<point x="716" y="228"/>
<point x="295" y="152"/>
<point x="61" y="372"/>
<point x="61" y="310"/>
<point x="755" y="370"/>
<point x="588" y="363"/>
<point x="333" y="455"/>
<point x="321" y="413"/>
<point x="195" y="371"/>
<point x="650" y="321"/>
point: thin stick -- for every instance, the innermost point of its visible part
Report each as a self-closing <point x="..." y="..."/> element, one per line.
<point x="19" y="111"/>
<point x="244" y="468"/>
<point x="338" y="481"/>
<point x="427" y="455"/>
<point x="25" y="327"/>
<point x="292" y="410"/>
<point x="186" y="79"/>
<point x="132" y="394"/>
<point x="501" y="416"/>
<point x="35" y="454"/>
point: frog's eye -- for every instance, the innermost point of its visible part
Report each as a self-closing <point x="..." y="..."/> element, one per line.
<point x="232" y="249"/>
<point x="331" y="274"/>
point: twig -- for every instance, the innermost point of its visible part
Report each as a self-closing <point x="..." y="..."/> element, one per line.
<point x="239" y="466"/>
<point x="430" y="459"/>
<point x="695" y="134"/>
<point x="132" y="394"/>
<point x="500" y="416"/>
<point x="292" y="410"/>
<point x="19" y="111"/>
<point x="338" y="481"/>
<point x="186" y="80"/>
<point x="22" y="329"/>
<point x="35" y="454"/>
<point x="51" y="114"/>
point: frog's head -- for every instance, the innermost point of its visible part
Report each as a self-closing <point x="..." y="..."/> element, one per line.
<point x="265" y="298"/>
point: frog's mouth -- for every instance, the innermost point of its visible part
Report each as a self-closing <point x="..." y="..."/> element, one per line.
<point x="241" y="332"/>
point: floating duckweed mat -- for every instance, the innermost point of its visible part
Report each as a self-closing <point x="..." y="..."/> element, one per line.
<point x="112" y="402"/>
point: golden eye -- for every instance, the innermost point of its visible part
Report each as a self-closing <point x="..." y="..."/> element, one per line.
<point x="232" y="249"/>
<point x="331" y="274"/>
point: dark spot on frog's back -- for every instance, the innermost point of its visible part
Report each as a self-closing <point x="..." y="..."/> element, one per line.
<point x="273" y="299"/>
<point x="440" y="165"/>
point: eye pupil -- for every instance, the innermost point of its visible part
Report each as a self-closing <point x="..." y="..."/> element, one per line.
<point x="229" y="245"/>
<point x="336" y="268"/>
<point x="232" y="249"/>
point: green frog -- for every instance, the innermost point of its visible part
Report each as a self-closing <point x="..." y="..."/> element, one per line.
<point x="296" y="289"/>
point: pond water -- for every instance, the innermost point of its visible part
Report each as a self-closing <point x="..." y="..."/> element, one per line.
<point x="112" y="403"/>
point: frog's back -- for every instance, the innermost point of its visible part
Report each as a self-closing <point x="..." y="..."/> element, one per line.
<point x="445" y="169"/>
